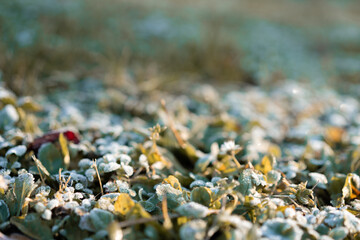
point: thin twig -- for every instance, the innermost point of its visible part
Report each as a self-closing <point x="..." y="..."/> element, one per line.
<point x="167" y="221"/>
<point x="42" y="179"/>
<point x="172" y="125"/>
<point x="98" y="175"/>
<point x="60" y="180"/>
<point x="238" y="165"/>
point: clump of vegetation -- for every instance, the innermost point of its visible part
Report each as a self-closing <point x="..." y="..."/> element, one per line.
<point x="241" y="165"/>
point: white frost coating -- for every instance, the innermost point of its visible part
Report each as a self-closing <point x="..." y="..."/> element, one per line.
<point x="193" y="230"/>
<point x="46" y="214"/>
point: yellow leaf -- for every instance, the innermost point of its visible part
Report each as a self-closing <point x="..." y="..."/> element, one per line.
<point x="173" y="181"/>
<point x="349" y="190"/>
<point x="275" y="150"/>
<point x="266" y="164"/>
<point x="153" y="158"/>
<point x="64" y="149"/>
<point x="283" y="208"/>
<point x="182" y="220"/>
<point x="123" y="204"/>
<point x="334" y="134"/>
<point x="137" y="211"/>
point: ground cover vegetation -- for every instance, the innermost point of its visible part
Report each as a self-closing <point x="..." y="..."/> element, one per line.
<point x="169" y="120"/>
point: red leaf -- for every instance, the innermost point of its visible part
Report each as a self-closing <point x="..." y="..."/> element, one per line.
<point x="71" y="136"/>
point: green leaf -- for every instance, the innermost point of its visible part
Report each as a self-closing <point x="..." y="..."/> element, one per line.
<point x="201" y="195"/>
<point x="249" y="180"/>
<point x="339" y="233"/>
<point x="4" y="211"/>
<point x="51" y="158"/>
<point x="98" y="219"/>
<point x="273" y="177"/>
<point x="174" y="196"/>
<point x="72" y="230"/>
<point x="33" y="226"/>
<point x="23" y="186"/>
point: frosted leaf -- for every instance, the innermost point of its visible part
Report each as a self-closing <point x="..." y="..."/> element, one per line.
<point x="67" y="196"/>
<point x="100" y="218"/>
<point x="16" y="152"/>
<point x="8" y="116"/>
<point x="71" y="205"/>
<point x="193" y="230"/>
<point x="69" y="189"/>
<point x="273" y="177"/>
<point x="3" y="162"/>
<point x="249" y="180"/>
<point x="79" y="186"/>
<point x="163" y="189"/>
<point x="144" y="162"/>
<point x="193" y="209"/>
<point x="125" y="159"/>
<point x="85" y="163"/>
<point x="39" y="207"/>
<point x="85" y="223"/>
<point x="90" y="173"/>
<point x="351" y="222"/>
<point x="228" y="146"/>
<point x="109" y="158"/>
<point x="356" y="204"/>
<point x="235" y="221"/>
<point x="110" y="187"/>
<point x="215" y="179"/>
<point x="23" y="186"/>
<point x="53" y="203"/>
<point x="15" y="165"/>
<point x="87" y="190"/>
<point x="78" y="195"/>
<point x="86" y="203"/>
<point x="129" y="171"/>
<point x="46" y="214"/>
<point x="289" y="212"/>
<point x="104" y="203"/>
<point x="148" y="206"/>
<point x="334" y="218"/>
<point x="111" y="196"/>
<point x="197" y="183"/>
<point x="78" y="178"/>
<point x="319" y="179"/>
<point x="110" y="167"/>
<point x="281" y="229"/>
<point x="339" y="233"/>
<point x="124" y="188"/>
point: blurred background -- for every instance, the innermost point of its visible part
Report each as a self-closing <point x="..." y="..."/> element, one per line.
<point x="50" y="45"/>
